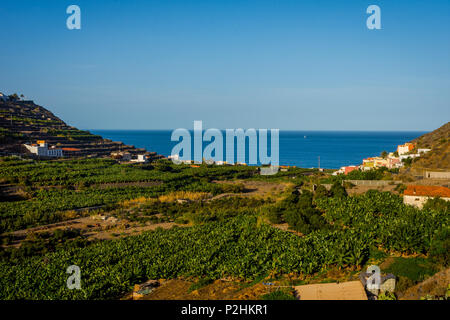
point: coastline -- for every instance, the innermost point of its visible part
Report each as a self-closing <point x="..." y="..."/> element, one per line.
<point x="335" y="148"/>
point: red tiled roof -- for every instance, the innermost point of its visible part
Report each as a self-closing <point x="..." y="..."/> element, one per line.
<point x="350" y="169"/>
<point x="428" y="191"/>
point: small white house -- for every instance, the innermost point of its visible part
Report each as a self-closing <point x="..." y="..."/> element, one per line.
<point x="3" y="97"/>
<point x="122" y="156"/>
<point x="42" y="149"/>
<point x="141" y="158"/>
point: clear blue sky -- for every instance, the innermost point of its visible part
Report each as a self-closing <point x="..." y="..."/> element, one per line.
<point x="306" y="65"/>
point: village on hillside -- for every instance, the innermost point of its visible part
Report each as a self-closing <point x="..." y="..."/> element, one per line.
<point x="415" y="195"/>
<point x="389" y="160"/>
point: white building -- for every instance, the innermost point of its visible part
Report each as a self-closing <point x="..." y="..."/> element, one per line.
<point x="123" y="156"/>
<point x="3" y="97"/>
<point x="141" y="158"/>
<point x="42" y="149"/>
<point x="405" y="148"/>
<point x="406" y="156"/>
<point x="423" y="150"/>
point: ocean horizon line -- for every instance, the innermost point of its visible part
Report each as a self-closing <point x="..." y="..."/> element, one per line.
<point x="284" y="130"/>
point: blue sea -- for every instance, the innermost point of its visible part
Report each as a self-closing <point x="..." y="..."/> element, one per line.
<point x="299" y="148"/>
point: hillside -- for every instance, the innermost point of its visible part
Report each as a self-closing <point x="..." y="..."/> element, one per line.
<point x="25" y="121"/>
<point x="439" y="143"/>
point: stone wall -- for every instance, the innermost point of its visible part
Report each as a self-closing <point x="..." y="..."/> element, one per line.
<point x="375" y="183"/>
<point x="437" y="175"/>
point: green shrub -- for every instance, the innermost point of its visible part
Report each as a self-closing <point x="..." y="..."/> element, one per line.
<point x="440" y="248"/>
<point x="400" y="188"/>
<point x="387" y="296"/>
<point x="321" y="192"/>
<point x="415" y="269"/>
<point x="338" y="191"/>
<point x="202" y="282"/>
<point x="273" y="214"/>
<point x="437" y="204"/>
<point x="278" y="295"/>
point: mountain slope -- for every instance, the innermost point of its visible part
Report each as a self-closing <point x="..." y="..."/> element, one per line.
<point x="439" y="143"/>
<point x="25" y="121"/>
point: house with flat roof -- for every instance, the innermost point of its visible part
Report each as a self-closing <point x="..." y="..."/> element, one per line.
<point x="141" y="158"/>
<point x="41" y="149"/>
<point x="405" y="148"/>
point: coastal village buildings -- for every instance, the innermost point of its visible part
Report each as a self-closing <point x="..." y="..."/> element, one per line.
<point x="417" y="195"/>
<point x="394" y="162"/>
<point x="345" y="170"/>
<point x="41" y="149"/>
<point x="413" y="155"/>
<point x="405" y="148"/>
<point x="391" y="161"/>
<point x="368" y="164"/>
<point x="377" y="162"/>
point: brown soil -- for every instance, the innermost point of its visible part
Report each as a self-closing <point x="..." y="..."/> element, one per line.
<point x="434" y="286"/>
<point x="255" y="188"/>
<point x="431" y="182"/>
<point x="94" y="227"/>
<point x="363" y="189"/>
<point x="229" y="289"/>
<point x="285" y="227"/>
<point x="177" y="289"/>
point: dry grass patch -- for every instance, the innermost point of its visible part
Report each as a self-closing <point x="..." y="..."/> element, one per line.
<point x="184" y="195"/>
